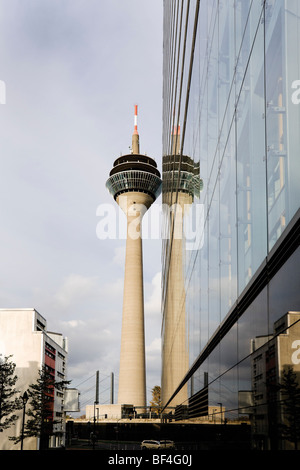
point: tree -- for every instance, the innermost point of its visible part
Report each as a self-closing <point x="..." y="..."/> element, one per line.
<point x="40" y="407"/>
<point x="290" y="392"/>
<point x="156" y="399"/>
<point x="9" y="402"/>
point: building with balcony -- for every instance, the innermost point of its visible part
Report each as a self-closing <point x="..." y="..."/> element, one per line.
<point x="24" y="337"/>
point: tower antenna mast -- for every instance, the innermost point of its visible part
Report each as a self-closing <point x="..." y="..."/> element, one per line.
<point x="135" y="135"/>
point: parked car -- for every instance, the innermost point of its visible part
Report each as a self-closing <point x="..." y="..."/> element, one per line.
<point x="167" y="444"/>
<point x="149" y="444"/>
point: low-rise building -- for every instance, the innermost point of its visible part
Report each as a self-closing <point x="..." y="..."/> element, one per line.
<point x="273" y="355"/>
<point x="24" y="337"/>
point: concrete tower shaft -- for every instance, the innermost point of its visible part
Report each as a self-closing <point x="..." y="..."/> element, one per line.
<point x="132" y="374"/>
<point x="135" y="183"/>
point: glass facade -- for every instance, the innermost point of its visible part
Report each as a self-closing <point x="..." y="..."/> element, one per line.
<point x="232" y="83"/>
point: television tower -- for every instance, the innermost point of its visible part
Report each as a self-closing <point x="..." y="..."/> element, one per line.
<point x="135" y="183"/>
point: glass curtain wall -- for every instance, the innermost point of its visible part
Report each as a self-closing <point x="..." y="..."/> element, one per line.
<point x="232" y="83"/>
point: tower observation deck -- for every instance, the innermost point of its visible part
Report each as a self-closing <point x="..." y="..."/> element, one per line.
<point x="135" y="183"/>
<point x="136" y="173"/>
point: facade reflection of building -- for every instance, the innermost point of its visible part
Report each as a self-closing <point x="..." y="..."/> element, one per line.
<point x="181" y="183"/>
<point x="271" y="356"/>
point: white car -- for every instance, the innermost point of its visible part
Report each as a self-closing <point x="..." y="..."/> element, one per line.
<point x="150" y="444"/>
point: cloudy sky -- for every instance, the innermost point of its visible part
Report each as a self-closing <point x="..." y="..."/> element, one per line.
<point x="73" y="70"/>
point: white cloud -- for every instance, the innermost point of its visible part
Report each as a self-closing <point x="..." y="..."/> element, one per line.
<point x="76" y="287"/>
<point x="73" y="323"/>
<point x="154" y="347"/>
<point x="119" y="255"/>
<point x="153" y="299"/>
<point x="153" y="362"/>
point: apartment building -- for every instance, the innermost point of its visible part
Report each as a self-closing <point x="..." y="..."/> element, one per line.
<point x="24" y="337"/>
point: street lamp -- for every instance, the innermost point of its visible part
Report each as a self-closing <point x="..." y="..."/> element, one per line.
<point x="24" y="399"/>
<point x="221" y="412"/>
<point x="94" y="431"/>
<point x="117" y="431"/>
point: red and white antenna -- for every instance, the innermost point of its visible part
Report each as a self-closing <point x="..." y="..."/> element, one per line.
<point x="135" y="119"/>
<point x="135" y="136"/>
<point x="176" y="140"/>
<point x="176" y="130"/>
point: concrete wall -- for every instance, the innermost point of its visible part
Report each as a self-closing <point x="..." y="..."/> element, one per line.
<point x="112" y="411"/>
